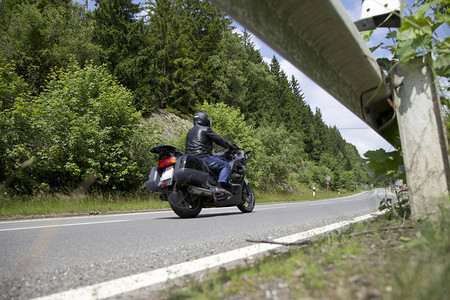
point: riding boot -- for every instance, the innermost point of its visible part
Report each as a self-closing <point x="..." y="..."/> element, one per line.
<point x="220" y="189"/>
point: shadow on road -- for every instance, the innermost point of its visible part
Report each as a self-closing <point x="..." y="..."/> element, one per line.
<point x="204" y="215"/>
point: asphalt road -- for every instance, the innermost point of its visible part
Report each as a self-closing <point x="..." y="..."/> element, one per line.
<point x="47" y="256"/>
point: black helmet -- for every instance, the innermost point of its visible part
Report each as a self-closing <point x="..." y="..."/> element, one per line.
<point x="202" y="118"/>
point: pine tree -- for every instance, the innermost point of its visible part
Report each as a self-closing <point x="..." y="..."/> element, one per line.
<point x="228" y="80"/>
<point x="281" y="95"/>
<point x="41" y="35"/>
<point x="257" y="101"/>
<point x="297" y="109"/>
<point x="113" y="29"/>
<point x="124" y="46"/>
<point x="186" y="34"/>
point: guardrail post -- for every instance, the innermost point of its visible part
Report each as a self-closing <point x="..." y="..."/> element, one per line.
<point x="423" y="137"/>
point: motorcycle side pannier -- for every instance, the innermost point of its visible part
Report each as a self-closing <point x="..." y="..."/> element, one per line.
<point x="152" y="184"/>
<point x="190" y="170"/>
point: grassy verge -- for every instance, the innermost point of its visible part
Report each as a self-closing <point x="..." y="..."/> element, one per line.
<point x="264" y="197"/>
<point x="60" y="204"/>
<point x="383" y="259"/>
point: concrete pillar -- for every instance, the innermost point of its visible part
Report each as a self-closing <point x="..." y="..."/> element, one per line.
<point x="423" y="137"/>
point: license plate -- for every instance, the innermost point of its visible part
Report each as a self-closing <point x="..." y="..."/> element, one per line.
<point x="167" y="174"/>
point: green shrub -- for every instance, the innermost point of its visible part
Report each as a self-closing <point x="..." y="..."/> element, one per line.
<point x="11" y="85"/>
<point x="143" y="138"/>
<point x="319" y="175"/>
<point x="78" y="130"/>
<point x="281" y="154"/>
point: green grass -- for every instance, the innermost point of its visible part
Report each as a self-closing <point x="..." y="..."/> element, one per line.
<point x="60" y="204"/>
<point x="399" y="263"/>
<point x="264" y="197"/>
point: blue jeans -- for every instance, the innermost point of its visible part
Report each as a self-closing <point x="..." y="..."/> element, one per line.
<point x="218" y="166"/>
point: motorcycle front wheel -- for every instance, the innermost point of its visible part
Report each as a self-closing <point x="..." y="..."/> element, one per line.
<point x="248" y="199"/>
<point x="183" y="203"/>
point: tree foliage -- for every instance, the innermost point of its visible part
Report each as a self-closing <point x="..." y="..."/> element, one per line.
<point x="11" y="85"/>
<point x="120" y="60"/>
<point x="40" y="35"/>
<point x="78" y="129"/>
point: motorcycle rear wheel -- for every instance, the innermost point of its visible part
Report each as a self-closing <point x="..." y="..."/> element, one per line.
<point x="248" y="199"/>
<point x="183" y="203"/>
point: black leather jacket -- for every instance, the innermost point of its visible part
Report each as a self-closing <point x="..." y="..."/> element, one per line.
<point x="199" y="141"/>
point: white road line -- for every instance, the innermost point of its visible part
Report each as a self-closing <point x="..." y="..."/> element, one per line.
<point x="349" y="200"/>
<point x="62" y="225"/>
<point x="131" y="283"/>
<point x="264" y="207"/>
<point x="313" y="204"/>
<point x="87" y="217"/>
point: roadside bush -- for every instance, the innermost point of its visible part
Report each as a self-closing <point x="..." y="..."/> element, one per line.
<point x="346" y="180"/>
<point x="319" y="175"/>
<point x="76" y="132"/>
<point x="11" y="87"/>
<point x="281" y="154"/>
<point x="304" y="175"/>
<point x="143" y="138"/>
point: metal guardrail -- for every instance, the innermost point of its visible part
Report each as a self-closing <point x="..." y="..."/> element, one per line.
<point x="319" y="38"/>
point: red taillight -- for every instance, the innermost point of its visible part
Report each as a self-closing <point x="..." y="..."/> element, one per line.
<point x="166" y="162"/>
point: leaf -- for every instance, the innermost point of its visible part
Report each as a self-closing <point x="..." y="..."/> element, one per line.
<point x="422" y="10"/>
<point x="442" y="65"/>
<point x="366" y="35"/>
<point x="391" y="34"/>
<point x="379" y="155"/>
<point x="373" y="49"/>
<point x="384" y="63"/>
<point x="385" y="163"/>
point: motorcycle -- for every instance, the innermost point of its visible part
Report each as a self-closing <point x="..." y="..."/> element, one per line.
<point x="185" y="181"/>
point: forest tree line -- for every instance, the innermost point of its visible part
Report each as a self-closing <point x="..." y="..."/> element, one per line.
<point x="77" y="87"/>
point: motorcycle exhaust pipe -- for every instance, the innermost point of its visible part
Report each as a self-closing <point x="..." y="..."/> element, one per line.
<point x="199" y="191"/>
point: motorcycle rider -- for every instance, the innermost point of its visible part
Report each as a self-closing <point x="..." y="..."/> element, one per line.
<point x="199" y="142"/>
